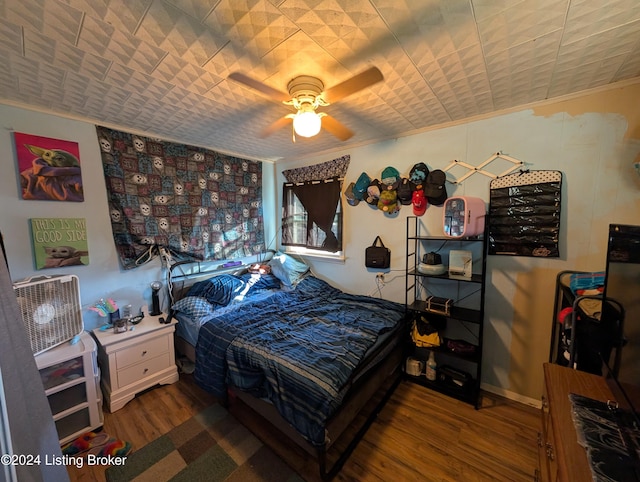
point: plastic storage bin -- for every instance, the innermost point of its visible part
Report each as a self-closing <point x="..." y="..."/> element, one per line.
<point x="71" y="380"/>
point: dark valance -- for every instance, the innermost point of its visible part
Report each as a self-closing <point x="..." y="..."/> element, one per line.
<point x="325" y="170"/>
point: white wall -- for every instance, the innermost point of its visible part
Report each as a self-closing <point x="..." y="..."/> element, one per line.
<point x="587" y="138"/>
<point x="103" y="277"/>
<point x="593" y="140"/>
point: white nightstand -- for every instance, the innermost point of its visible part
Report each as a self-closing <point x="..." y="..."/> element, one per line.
<point x="136" y="360"/>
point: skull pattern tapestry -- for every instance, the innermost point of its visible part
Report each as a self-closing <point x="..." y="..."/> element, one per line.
<point x="194" y="202"/>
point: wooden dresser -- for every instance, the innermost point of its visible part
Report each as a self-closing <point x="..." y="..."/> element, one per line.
<point x="560" y="456"/>
<point x="136" y="360"/>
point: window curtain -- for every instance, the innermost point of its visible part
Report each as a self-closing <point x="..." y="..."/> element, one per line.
<point x="312" y="215"/>
<point x="191" y="201"/>
<point x="311" y="205"/>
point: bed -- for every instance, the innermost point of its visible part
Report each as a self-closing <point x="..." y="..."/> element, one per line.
<point x="304" y="355"/>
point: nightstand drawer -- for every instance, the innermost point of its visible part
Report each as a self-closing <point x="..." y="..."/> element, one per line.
<point x="144" y="369"/>
<point x="144" y="351"/>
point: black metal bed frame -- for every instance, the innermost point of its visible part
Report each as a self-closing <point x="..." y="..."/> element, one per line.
<point x="190" y="271"/>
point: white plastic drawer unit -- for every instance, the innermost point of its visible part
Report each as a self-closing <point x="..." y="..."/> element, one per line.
<point x="61" y="373"/>
<point x="68" y="398"/>
<point x="74" y="424"/>
<point x="70" y="378"/>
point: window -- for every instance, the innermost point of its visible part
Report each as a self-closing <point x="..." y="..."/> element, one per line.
<point x="312" y="217"/>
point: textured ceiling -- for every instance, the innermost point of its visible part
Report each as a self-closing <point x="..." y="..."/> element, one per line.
<point x="160" y="67"/>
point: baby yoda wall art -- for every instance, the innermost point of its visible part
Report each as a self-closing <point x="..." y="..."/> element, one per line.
<point x="59" y="242"/>
<point x="49" y="168"/>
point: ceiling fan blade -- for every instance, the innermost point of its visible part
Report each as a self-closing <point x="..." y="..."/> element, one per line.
<point x="277" y="125"/>
<point x="352" y="85"/>
<point x="336" y="128"/>
<point x="258" y="86"/>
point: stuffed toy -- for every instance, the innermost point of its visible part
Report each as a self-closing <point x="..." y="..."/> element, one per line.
<point x="388" y="202"/>
<point x="258" y="268"/>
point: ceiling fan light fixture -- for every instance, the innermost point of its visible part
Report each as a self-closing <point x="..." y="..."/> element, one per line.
<point x="307" y="124"/>
<point x="306" y="94"/>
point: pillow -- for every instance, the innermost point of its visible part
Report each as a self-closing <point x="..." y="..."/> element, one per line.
<point x="288" y="269"/>
<point x="219" y="290"/>
<point x="194" y="307"/>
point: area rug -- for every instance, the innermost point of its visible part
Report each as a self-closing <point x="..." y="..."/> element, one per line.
<point x="211" y="446"/>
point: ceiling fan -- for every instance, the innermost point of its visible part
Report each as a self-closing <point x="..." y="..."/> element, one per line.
<point x="306" y="94"/>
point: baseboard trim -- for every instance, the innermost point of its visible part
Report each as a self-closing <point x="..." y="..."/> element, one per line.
<point x="516" y="397"/>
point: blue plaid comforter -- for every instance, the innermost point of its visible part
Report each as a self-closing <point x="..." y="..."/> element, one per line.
<point x="297" y="348"/>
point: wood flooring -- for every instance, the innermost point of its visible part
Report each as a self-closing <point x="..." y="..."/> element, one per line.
<point x="419" y="435"/>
